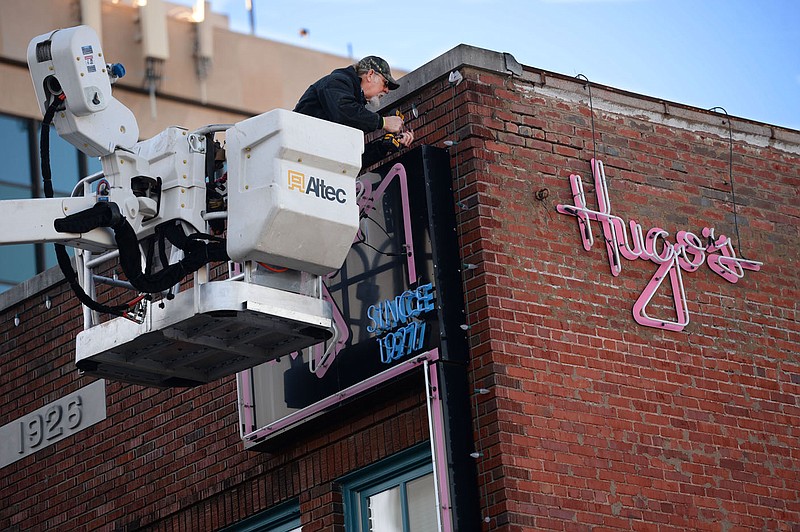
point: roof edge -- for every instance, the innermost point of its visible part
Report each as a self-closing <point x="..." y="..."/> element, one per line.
<point x="30" y="288"/>
<point x="504" y="63"/>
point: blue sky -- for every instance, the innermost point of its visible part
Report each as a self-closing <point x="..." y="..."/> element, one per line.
<point x="743" y="55"/>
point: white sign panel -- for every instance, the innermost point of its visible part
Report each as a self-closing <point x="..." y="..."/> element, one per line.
<point x="53" y="422"/>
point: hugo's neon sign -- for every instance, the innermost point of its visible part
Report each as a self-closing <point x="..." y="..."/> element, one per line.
<point x="688" y="252"/>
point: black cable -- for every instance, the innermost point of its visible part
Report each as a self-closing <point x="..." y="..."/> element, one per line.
<point x="385" y="232"/>
<point x="44" y="146"/>
<point x="373" y="220"/>
<point x="591" y="110"/>
<point x="730" y="177"/>
<point x="379" y="252"/>
<point x="206" y="236"/>
<point x="64" y="261"/>
<point x="196" y="255"/>
<point x="162" y="246"/>
<point x="149" y="255"/>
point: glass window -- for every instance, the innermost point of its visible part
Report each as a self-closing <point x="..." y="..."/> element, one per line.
<point x="17" y="263"/>
<point x="20" y="181"/>
<point x="5" y="286"/>
<point x="14" y="139"/>
<point x="11" y="191"/>
<point x="419" y="494"/>
<point x="282" y="518"/>
<point x="394" y="495"/>
<point x="385" y="510"/>
<point x="63" y="164"/>
<point x="93" y="165"/>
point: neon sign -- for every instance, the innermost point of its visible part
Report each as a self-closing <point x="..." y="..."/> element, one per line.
<point x="320" y="358"/>
<point x="402" y="310"/>
<point x="687" y="253"/>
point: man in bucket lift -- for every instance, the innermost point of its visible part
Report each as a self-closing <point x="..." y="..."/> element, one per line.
<point x="341" y="97"/>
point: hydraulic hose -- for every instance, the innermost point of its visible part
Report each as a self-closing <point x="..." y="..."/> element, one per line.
<point x="107" y="214"/>
<point x="64" y="262"/>
<point x="196" y="255"/>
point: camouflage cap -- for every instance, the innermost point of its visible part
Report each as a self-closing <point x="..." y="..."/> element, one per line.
<point x="381" y="67"/>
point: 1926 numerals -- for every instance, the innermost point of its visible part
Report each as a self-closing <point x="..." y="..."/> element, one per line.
<point x="65" y="415"/>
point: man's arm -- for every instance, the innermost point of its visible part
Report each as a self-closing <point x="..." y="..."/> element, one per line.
<point x="339" y="102"/>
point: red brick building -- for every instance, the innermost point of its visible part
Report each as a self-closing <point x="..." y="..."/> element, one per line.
<point x="579" y="390"/>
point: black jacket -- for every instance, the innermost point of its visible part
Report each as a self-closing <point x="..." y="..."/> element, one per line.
<point x="338" y="98"/>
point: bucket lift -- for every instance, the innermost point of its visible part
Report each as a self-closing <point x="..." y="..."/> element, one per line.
<point x="282" y="215"/>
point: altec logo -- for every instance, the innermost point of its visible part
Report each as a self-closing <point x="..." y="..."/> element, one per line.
<point x="316" y="187"/>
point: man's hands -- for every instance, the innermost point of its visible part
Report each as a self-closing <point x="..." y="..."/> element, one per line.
<point x="405" y="138"/>
<point x="393" y="124"/>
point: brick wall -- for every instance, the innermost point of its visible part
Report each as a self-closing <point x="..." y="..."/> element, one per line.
<point x="593" y="420"/>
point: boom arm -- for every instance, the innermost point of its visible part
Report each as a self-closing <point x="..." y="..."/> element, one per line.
<point x="28" y="221"/>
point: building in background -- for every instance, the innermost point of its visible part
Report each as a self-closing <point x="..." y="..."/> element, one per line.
<point x="601" y="331"/>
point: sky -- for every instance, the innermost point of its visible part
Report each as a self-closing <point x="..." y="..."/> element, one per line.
<point x="741" y="55"/>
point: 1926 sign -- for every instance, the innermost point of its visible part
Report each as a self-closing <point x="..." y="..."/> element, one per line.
<point x="53" y="422"/>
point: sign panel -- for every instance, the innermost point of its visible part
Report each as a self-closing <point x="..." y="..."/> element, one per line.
<point x="389" y="297"/>
<point x="52" y="423"/>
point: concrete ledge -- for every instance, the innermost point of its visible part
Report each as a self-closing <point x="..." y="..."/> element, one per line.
<point x="30" y="288"/>
<point x="455" y="58"/>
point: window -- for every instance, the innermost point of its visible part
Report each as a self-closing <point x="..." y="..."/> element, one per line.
<point x="394" y="495"/>
<point x="21" y="180"/>
<point x="16" y="176"/>
<point x="282" y="518"/>
<point x="17" y="263"/>
<point x="64" y="164"/>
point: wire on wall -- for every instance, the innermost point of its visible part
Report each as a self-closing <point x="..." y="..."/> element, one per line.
<point x="588" y="85"/>
<point x="454" y="79"/>
<point x="730" y="177"/>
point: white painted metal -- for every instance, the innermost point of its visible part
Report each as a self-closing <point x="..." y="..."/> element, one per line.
<point x="292" y="193"/>
<point x="206" y="333"/>
<point x="71" y="60"/>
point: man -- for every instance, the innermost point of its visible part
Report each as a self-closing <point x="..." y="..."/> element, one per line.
<point x="341" y="97"/>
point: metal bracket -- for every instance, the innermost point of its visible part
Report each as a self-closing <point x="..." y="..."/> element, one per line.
<point x="512" y="65"/>
<point x="197" y="143"/>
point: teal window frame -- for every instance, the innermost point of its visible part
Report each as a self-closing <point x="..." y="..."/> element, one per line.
<point x="396" y="470"/>
<point x="284" y="517"/>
